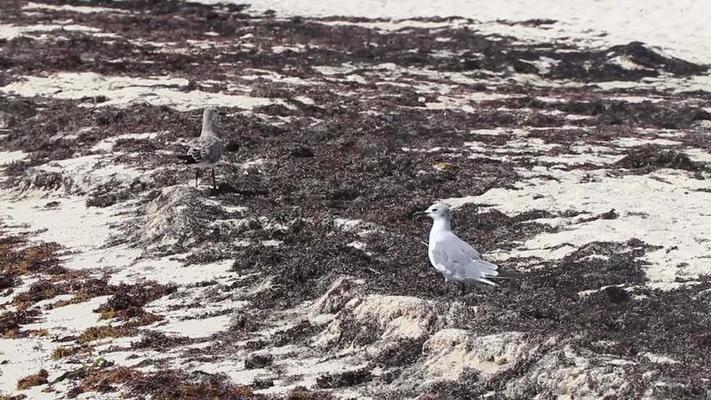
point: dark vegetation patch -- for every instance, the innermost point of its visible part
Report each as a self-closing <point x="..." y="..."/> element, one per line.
<point x="11" y="321"/>
<point x="128" y="300"/>
<point x="324" y="44"/>
<point x="642" y="320"/>
<point x="299" y="333"/>
<point x="403" y="353"/>
<point x="45" y="129"/>
<point x="682" y="383"/>
<point x="18" y="258"/>
<point x="547" y="299"/>
<point x="105" y="331"/>
<point x="160" y="341"/>
<point x="344" y="379"/>
<point x="469" y="387"/>
<point x="178" y="385"/>
<point x="664" y="115"/>
<point x="102" y="377"/>
<point x="52" y="134"/>
<point x="42" y="290"/>
<point x="312" y="257"/>
<point x="68" y="351"/>
<point x="262" y="383"/>
<point x="82" y="286"/>
<point x="37" y="379"/>
<point x="242" y="321"/>
<point x="258" y="361"/>
<point x="109" y="194"/>
<point x="126" y="304"/>
<point x="669" y="322"/>
<point x="606" y="215"/>
<point x="126" y="307"/>
<point x="652" y="157"/>
<point x="17" y="397"/>
<point x="104" y="381"/>
<point x="600" y="66"/>
<point x="171" y="384"/>
<point x="302" y="393"/>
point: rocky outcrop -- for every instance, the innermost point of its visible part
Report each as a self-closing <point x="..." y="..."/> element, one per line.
<point x="377" y="320"/>
<point x="568" y="372"/>
<point x="451" y="352"/>
<point x="337" y="296"/>
<point x="40" y="179"/>
<point x="176" y="219"/>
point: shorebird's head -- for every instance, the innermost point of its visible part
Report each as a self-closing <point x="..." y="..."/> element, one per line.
<point x="436" y="211"/>
<point x="211" y="114"/>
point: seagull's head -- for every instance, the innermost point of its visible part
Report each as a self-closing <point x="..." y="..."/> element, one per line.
<point x="436" y="211"/>
<point x="211" y="114"/>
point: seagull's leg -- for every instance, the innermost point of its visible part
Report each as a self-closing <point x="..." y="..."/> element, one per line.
<point x="197" y="175"/>
<point x="464" y="287"/>
<point x="214" y="185"/>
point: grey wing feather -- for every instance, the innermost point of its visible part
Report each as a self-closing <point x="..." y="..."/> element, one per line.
<point x="207" y="150"/>
<point x="462" y="262"/>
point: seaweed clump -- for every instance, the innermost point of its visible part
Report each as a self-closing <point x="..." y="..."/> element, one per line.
<point x="128" y="301"/>
<point x="651" y="157"/>
<point x="40" y="378"/>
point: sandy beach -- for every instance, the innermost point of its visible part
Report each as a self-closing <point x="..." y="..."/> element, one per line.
<point x="571" y="141"/>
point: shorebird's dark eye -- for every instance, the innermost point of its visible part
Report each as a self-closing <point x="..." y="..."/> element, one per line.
<point x="435" y="210"/>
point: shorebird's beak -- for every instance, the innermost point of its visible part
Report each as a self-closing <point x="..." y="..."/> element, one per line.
<point x="419" y="214"/>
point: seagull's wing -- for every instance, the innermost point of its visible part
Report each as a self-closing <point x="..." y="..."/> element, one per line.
<point x="206" y="150"/>
<point x="461" y="261"/>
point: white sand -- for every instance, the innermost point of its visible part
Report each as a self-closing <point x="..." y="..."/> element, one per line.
<point x="679" y="27"/>
<point x="663" y="209"/>
<point x="71" y="319"/>
<point x="76" y="9"/>
<point x="122" y="91"/>
<point x="12" y="31"/>
<point x="8" y="157"/>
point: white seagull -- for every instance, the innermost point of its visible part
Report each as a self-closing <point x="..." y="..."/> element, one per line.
<point x="454" y="258"/>
<point x="207" y="150"/>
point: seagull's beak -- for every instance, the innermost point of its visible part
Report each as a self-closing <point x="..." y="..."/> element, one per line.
<point x="419" y="214"/>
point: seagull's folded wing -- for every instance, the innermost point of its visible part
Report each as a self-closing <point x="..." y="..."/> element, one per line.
<point x="462" y="261"/>
<point x="207" y="149"/>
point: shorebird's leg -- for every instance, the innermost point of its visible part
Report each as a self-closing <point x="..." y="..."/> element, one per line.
<point x="214" y="185"/>
<point x="464" y="287"/>
<point x="197" y="175"/>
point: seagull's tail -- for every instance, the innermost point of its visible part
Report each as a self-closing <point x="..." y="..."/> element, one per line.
<point x="186" y="159"/>
<point x="509" y="275"/>
<point x="488" y="282"/>
<point x="482" y="270"/>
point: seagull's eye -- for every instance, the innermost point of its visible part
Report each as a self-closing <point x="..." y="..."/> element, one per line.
<point x="435" y="210"/>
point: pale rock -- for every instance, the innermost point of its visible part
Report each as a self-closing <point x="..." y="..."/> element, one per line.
<point x="450" y="352"/>
<point x="176" y="218"/>
<point x="566" y="374"/>
<point x="336" y="297"/>
<point x="395" y="317"/>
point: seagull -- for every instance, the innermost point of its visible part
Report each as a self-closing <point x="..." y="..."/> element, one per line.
<point x="454" y="258"/>
<point x="206" y="151"/>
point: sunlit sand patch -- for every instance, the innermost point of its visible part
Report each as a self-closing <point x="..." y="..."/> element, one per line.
<point x="643" y="203"/>
<point x="9" y="31"/>
<point x="70" y="8"/>
<point x="122" y="91"/>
